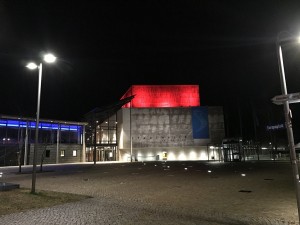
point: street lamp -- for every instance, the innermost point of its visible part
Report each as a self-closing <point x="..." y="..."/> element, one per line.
<point x="288" y="117"/>
<point x="49" y="58"/>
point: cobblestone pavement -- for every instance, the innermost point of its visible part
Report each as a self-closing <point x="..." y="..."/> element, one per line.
<point x="208" y="193"/>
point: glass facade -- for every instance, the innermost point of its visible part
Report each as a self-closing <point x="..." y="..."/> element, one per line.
<point x="103" y="138"/>
<point x="18" y="134"/>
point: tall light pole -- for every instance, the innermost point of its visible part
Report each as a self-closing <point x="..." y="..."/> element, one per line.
<point x="49" y="58"/>
<point x="288" y="120"/>
<point x="130" y="133"/>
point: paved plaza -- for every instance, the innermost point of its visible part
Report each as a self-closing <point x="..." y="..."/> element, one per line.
<point x="185" y="193"/>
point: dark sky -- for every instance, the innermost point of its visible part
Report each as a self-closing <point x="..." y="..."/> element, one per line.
<point x="103" y="47"/>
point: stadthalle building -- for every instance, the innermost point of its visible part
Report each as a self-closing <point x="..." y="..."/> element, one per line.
<point x="148" y="123"/>
<point x="156" y="122"/>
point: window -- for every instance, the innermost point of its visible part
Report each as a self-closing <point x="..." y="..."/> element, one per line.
<point x="47" y="153"/>
<point x="62" y="153"/>
<point x="74" y="152"/>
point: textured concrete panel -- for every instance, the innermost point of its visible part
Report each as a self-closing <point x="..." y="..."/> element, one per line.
<point x="161" y="127"/>
<point x="216" y="124"/>
<point x="157" y="130"/>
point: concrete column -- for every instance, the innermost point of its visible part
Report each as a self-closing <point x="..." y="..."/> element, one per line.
<point x="57" y="144"/>
<point x="26" y="144"/>
<point x="83" y="144"/>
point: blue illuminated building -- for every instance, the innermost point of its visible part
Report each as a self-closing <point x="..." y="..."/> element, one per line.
<point x="59" y="141"/>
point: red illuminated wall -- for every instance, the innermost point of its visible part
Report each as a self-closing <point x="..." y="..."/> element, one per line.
<point x="151" y="96"/>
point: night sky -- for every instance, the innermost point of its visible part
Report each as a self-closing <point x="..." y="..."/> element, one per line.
<point x="103" y="47"/>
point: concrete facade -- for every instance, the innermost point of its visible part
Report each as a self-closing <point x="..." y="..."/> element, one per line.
<point x="150" y="134"/>
<point x="66" y="153"/>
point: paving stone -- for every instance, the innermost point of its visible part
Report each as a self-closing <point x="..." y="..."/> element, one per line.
<point x="142" y="193"/>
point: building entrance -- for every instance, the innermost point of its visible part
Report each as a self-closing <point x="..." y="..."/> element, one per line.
<point x="102" y="154"/>
<point x="232" y="149"/>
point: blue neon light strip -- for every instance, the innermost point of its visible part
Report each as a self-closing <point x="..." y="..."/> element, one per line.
<point x="64" y="127"/>
<point x="55" y="126"/>
<point x="42" y="125"/>
<point x="46" y="125"/>
<point x="3" y="122"/>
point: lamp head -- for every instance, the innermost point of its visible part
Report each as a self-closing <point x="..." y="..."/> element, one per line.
<point x="32" y="66"/>
<point x="49" y="58"/>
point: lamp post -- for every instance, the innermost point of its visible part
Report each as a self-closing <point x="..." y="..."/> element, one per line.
<point x="288" y="120"/>
<point x="130" y="133"/>
<point x="49" y="58"/>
